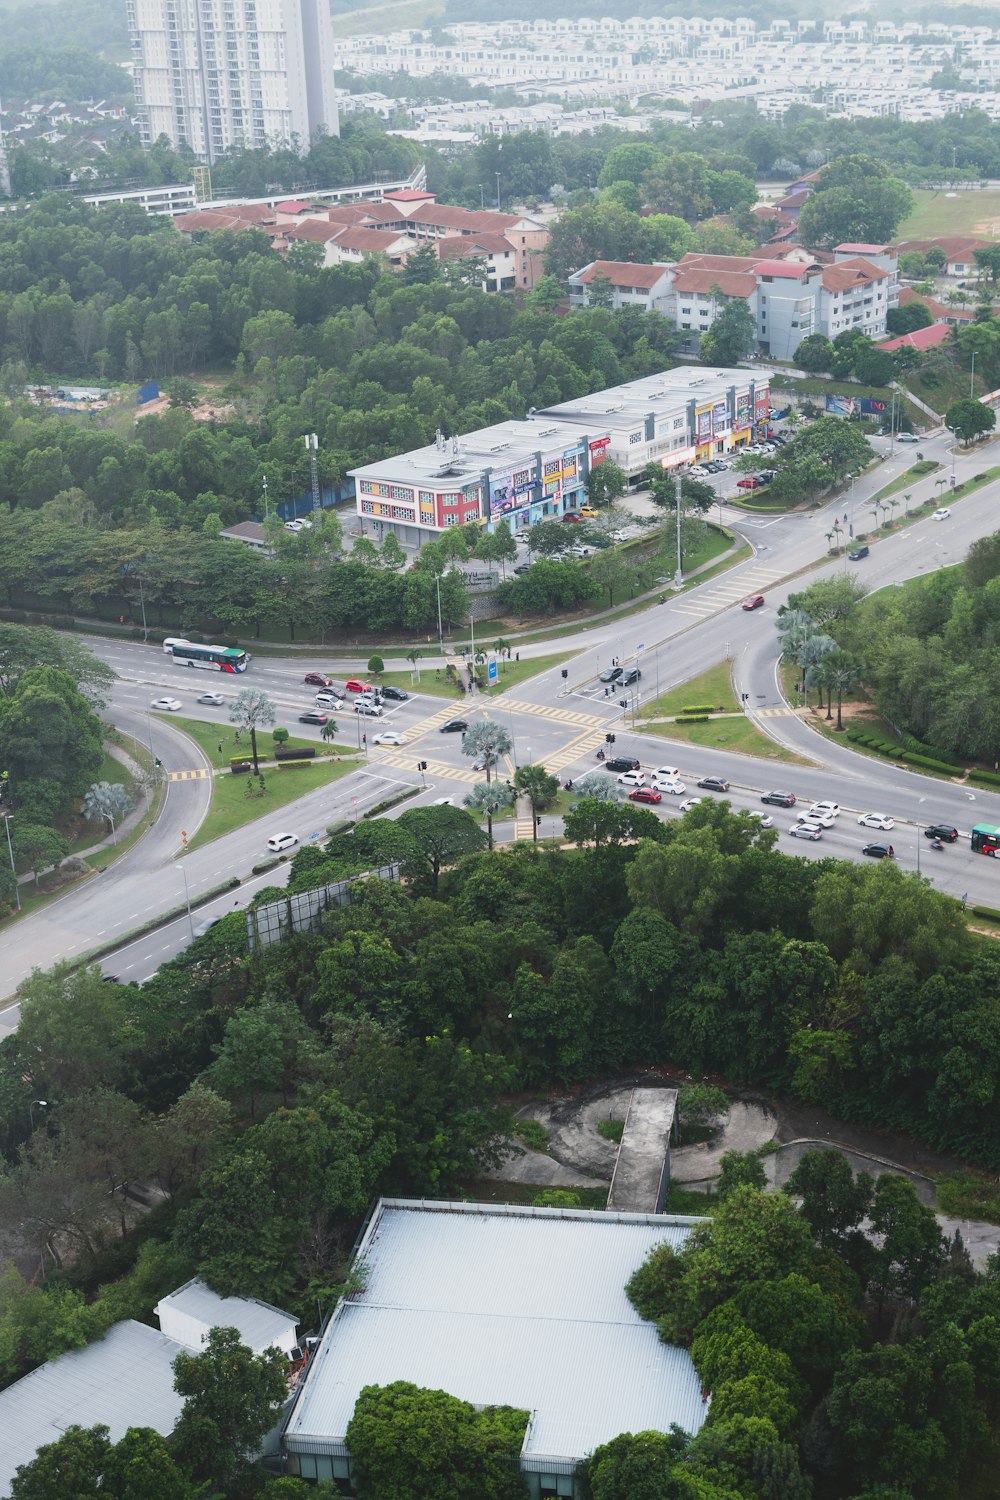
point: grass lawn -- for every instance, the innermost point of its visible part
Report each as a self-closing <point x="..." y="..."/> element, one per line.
<point x="231" y="807"/>
<point x="432" y="681"/>
<point x="713" y="686"/>
<point x="966" y="1195"/>
<point x="737" y="734"/>
<point x="403" y="15"/>
<point x="513" y="673"/>
<point x="209" y="736"/>
<point x="936" y="213"/>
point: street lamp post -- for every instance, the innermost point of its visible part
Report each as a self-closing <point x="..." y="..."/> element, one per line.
<point x="34" y="1104"/>
<point x="497" y="175"/>
<point x="437" y="580"/>
<point x="678" y="576"/>
<point x="920" y="832"/>
<point x="187" y="899"/>
<point x="10" y="851"/>
<point x="482" y="199"/>
<point x="972" y="377"/>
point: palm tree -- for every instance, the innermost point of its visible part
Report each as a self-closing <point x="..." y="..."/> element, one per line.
<point x="413" y="657"/>
<point x="487" y="740"/>
<point x="906" y="504"/>
<point x="107" y="803"/>
<point x="841" y="669"/>
<point x="488" y="798"/>
<point x="893" y="502"/>
<point x="501" y="648"/>
<point x="541" y="789"/>
<point x="328" y="731"/>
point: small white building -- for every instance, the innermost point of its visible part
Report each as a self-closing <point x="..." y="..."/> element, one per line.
<point x="189" y="1315"/>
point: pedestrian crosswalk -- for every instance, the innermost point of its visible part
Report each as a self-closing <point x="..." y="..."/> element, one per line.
<point x="574" y="750"/>
<point x="711" y="598"/>
<point x="524" y="828"/>
<point x="200" y="775"/>
<point x="773" y="713"/>
<point x="556" y="713"/>
<point x="401" y="762"/>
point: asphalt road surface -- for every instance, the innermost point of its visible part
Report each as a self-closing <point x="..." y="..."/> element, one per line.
<point x="559" y="722"/>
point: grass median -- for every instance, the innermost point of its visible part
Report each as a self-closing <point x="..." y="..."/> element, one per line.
<point x="233" y="805"/>
<point x="736" y="732"/>
<point x="209" y="737"/>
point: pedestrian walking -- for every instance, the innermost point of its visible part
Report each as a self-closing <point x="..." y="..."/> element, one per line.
<point x="220" y="747"/>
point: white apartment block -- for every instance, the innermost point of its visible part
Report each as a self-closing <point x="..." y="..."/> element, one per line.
<point x="792" y="292"/>
<point x="213" y="74"/>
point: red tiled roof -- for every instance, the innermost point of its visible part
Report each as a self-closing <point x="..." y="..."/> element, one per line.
<point x="921" y="338"/>
<point x="407" y="195"/>
<point x="955" y="246"/>
<point x="717" y="262"/>
<point x="260" y="213"/>
<point x="794" y="200"/>
<point x="730" y="283"/>
<point x="848" y="273"/>
<point x="622" y="273"/>
<point x="789" y="269"/>
<point x="372" y="240"/>
<point x="454" y="246"/>
<point x="316" y="230"/>
<point x="863" y="249"/>
<point x="938" y="310"/>
<point x="465" y="220"/>
<point x="293" y="206"/>
<point x="362" y="213"/>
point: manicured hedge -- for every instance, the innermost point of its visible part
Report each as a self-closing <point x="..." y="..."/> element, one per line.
<point x="306" y="753"/>
<point x="692" y="719"/>
<point x="381" y="807"/>
<point x="919" y="748"/>
<point x="700" y="708"/>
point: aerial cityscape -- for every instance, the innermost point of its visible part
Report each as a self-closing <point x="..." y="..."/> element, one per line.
<point x="499" y="752"/>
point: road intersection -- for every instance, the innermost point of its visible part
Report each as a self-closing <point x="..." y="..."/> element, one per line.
<point x="555" y="721"/>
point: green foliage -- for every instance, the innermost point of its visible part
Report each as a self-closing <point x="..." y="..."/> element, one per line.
<point x="533" y="1134"/>
<point x="611" y="1130"/>
<point x="413" y="1444"/>
<point x="232" y="1399"/>
<point x="739" y="1169"/>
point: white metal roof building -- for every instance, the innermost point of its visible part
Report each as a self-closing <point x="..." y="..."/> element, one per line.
<point x="500" y="1305"/>
<point x="189" y="1315"/>
<point x="125" y="1380"/>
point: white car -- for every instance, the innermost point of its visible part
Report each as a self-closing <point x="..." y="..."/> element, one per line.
<point x="698" y="469"/>
<point x="328" y="700"/>
<point x="942" y="514"/>
<point x="819" y="816"/>
<point x="669" y="785"/>
<point x="166" y="705"/>
<point x="390" y="737"/>
<point x="764" y="819"/>
<point x="279" y="841"/>
<point x="876" y="820"/>
<point x="667" y="773"/>
<point x="293" y="525"/>
<point x="806" y="831"/>
<point x="632" y="778"/>
<point x="829" y="807"/>
<point x="683" y="807"/>
<point x="370" y="710"/>
<point x="215" y="699"/>
<point x="907" y="437"/>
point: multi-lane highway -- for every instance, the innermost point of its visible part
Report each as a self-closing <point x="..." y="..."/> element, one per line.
<point x="559" y="722"/>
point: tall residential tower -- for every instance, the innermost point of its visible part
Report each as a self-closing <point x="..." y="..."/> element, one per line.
<point x="212" y="74"/>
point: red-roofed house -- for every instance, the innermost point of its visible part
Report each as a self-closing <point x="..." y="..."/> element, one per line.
<point x="791" y="294"/>
<point x="941" y="312"/>
<point x="931" y="337"/>
<point x="958" y="252"/>
<point x="642" y="286"/>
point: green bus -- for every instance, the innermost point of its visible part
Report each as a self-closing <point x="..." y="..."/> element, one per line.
<point x="986" y="840"/>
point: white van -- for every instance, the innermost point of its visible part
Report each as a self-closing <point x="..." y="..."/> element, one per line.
<point x="172" y="641"/>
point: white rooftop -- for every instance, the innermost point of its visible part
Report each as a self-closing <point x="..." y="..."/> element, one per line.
<point x="498" y="1305"/>
<point x="666" y="391"/>
<point x="463" y="459"/>
<point x="125" y="1380"/>
<point x="191" y="1312"/>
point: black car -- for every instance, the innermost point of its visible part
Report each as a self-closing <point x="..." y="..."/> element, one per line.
<point x="398" y="695"/>
<point x="942" y="831"/>
<point x="857" y="554"/>
<point x="627" y="678"/>
<point x="779" y="799"/>
<point x="455" y="726"/>
<point x="522" y="568"/>
<point x="314" y="716"/>
<point x="612" y="674"/>
<point x="879" y="851"/>
<point x="713" y="784"/>
<point x="622" y="763"/>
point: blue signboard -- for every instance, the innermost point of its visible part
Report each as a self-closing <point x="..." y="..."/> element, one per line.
<point x="491" y="671"/>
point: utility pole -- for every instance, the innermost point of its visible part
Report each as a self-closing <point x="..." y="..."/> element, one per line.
<point x="678" y="576"/>
<point x="263" y="485"/>
<point x="10" y="851"/>
<point x="437" y="580"/>
<point x="312" y="444"/>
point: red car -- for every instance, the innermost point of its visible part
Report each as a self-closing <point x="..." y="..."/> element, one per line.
<point x="753" y="601"/>
<point x="644" y="794"/>
<point x="748" y="484"/>
<point x="316" y="679"/>
<point x="571" y="515"/>
<point x="354" y="686"/>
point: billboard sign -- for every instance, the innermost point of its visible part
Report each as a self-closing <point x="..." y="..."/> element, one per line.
<point x="501" y="494"/>
<point x="843" y="406"/>
<point x="703" y="425"/>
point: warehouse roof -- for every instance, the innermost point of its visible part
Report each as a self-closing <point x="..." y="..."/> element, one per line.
<point x="501" y="1305"/>
<point x="258" y="1324"/>
<point x="126" y="1380"/>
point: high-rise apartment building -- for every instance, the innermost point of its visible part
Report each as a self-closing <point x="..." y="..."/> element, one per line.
<point x="212" y="74"/>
